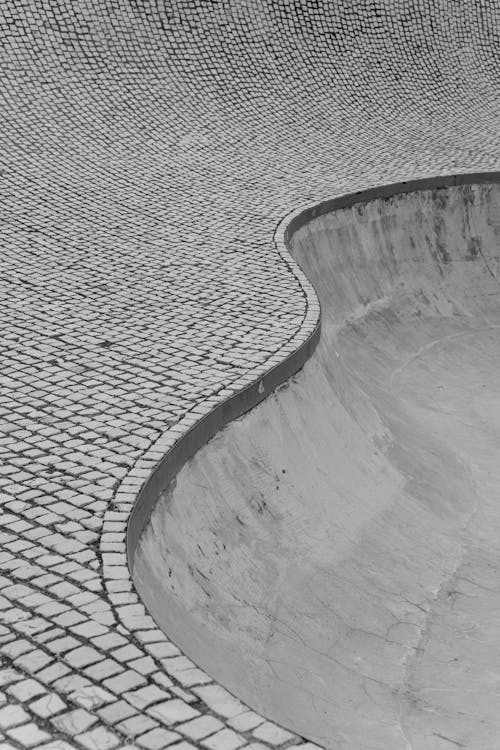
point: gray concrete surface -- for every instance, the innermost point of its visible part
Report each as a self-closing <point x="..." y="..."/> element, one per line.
<point x="333" y="556"/>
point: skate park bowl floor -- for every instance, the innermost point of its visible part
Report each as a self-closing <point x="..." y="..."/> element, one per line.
<point x="332" y="557"/>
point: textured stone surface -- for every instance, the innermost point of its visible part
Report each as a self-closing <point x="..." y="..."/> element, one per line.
<point x="148" y="151"/>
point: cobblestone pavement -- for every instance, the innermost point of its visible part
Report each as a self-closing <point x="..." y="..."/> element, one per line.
<point x="148" y="150"/>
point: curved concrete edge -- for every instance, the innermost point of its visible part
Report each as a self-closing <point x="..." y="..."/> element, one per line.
<point x="297" y="219"/>
<point x="293" y="355"/>
<point x="249" y="390"/>
<point x="277" y="614"/>
<point x="207" y="427"/>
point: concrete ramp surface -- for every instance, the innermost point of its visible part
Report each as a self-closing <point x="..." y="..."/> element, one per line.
<point x="333" y="556"/>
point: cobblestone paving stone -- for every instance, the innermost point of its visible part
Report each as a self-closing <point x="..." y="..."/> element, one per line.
<point x="148" y="151"/>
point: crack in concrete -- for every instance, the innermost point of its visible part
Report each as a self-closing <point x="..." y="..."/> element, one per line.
<point x="446" y="586"/>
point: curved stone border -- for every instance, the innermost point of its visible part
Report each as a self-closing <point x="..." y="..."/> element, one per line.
<point x="135" y="499"/>
<point x="212" y="418"/>
<point x="198" y="426"/>
<point x="304" y="215"/>
<point x="203" y="422"/>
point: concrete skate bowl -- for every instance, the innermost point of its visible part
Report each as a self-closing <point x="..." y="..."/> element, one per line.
<point x="332" y="557"/>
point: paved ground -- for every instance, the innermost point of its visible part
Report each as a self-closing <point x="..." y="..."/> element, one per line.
<point x="147" y="152"/>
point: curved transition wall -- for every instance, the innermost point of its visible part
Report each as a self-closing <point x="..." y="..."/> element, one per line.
<point x="332" y="557"/>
